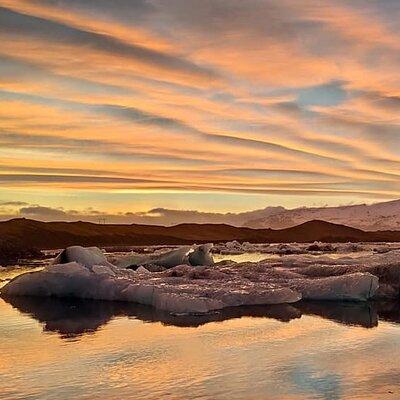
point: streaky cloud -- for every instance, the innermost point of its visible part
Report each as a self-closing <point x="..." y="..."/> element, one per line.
<point x="23" y="24"/>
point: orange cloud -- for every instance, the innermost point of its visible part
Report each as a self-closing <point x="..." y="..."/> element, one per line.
<point x="192" y="94"/>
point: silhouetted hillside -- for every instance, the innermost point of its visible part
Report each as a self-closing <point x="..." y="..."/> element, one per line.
<point x="25" y="233"/>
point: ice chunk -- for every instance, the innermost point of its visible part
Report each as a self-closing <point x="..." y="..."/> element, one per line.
<point x="386" y="270"/>
<point x="168" y="259"/>
<point x="132" y="261"/>
<point x="321" y="247"/>
<point x="234" y="244"/>
<point x="87" y="256"/>
<point x="59" y="280"/>
<point x="191" y="255"/>
<point x="69" y="268"/>
<point x="102" y="269"/>
<point x="357" y="286"/>
<point x="184" y="304"/>
<point x="257" y="297"/>
<point x="183" y="289"/>
<point x="142" y="270"/>
<point x="186" y="288"/>
<point x="201" y="255"/>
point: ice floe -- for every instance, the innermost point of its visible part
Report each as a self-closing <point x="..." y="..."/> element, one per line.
<point x="182" y="289"/>
<point x="235" y="247"/>
<point x="187" y="281"/>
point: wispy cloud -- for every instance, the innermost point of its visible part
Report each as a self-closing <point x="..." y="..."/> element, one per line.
<point x="13" y="22"/>
<point x="274" y="99"/>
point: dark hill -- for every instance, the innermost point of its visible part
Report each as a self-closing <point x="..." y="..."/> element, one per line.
<point x="49" y="235"/>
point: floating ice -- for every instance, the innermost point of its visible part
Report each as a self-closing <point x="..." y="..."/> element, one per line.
<point x="235" y="247"/>
<point x="142" y="270"/>
<point x="358" y="286"/>
<point x="321" y="247"/>
<point x="177" y="290"/>
<point x="201" y="255"/>
<point x="86" y="273"/>
<point x="190" y="255"/>
<point x="87" y="256"/>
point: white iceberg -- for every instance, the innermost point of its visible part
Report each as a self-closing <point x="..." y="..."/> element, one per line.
<point x="178" y="292"/>
<point x="85" y="273"/>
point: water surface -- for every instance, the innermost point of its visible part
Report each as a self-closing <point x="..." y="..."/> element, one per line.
<point x="75" y="349"/>
<point x="64" y="349"/>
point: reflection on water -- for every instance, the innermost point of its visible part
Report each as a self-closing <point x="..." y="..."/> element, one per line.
<point x="75" y="349"/>
<point x="74" y="317"/>
<point x="65" y="348"/>
<point x="259" y="256"/>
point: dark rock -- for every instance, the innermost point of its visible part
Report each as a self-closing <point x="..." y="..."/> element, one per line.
<point x="11" y="253"/>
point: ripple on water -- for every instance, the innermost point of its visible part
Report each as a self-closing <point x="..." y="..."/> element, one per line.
<point x="62" y="349"/>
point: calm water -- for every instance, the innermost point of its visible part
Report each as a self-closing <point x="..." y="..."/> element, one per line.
<point x="70" y="349"/>
<point x="65" y="349"/>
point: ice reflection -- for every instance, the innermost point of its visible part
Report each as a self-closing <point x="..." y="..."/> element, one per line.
<point x="74" y="317"/>
<point x="62" y="348"/>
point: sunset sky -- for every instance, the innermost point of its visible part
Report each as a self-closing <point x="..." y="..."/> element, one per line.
<point x="123" y="106"/>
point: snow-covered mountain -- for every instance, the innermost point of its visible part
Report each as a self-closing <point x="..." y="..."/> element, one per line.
<point x="379" y="216"/>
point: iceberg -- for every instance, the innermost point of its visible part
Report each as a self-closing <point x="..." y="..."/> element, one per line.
<point x="87" y="256"/>
<point x="356" y="286"/>
<point x="190" y="255"/>
<point x="178" y="291"/>
<point x="201" y="255"/>
<point x="190" y="283"/>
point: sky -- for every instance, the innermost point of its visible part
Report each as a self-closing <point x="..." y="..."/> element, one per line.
<point x="120" y="107"/>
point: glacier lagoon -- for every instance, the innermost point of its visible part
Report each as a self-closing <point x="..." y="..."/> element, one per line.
<point x="67" y="348"/>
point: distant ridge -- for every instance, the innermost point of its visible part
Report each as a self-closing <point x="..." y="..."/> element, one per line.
<point x="373" y="217"/>
<point x="50" y="235"/>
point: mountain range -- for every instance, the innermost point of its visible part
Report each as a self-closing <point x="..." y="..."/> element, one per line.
<point x="24" y="233"/>
<point x="374" y="217"/>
